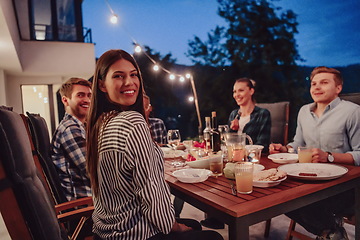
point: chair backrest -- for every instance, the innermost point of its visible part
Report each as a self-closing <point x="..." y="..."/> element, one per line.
<point x="279" y="120"/>
<point x="37" y="209"/>
<point x="41" y="139"/>
<point x="352" y="97"/>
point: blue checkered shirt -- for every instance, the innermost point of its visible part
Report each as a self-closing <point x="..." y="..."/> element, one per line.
<point x="158" y="130"/>
<point x="68" y="148"/>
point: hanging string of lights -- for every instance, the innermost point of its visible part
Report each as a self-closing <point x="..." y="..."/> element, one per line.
<point x="114" y="19"/>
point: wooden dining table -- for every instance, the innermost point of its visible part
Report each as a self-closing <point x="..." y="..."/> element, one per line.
<point x="214" y="196"/>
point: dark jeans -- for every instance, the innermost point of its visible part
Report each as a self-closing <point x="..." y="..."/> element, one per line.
<point x="320" y="216"/>
<point x="195" y="234"/>
<point x="178" y="206"/>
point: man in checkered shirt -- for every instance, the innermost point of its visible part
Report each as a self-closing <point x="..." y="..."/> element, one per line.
<point x="68" y="142"/>
<point x="156" y="125"/>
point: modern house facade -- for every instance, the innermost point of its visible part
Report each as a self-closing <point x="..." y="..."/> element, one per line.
<point x="42" y="44"/>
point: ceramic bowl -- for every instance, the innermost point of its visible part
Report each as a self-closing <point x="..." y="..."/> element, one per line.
<point x="191" y="175"/>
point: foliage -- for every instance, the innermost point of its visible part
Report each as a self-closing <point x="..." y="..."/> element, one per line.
<point x="258" y="42"/>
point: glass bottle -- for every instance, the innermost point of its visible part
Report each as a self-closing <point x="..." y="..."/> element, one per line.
<point x="206" y="134"/>
<point x="214" y="134"/>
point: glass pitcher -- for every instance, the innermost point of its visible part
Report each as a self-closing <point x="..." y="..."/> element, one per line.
<point x="235" y="144"/>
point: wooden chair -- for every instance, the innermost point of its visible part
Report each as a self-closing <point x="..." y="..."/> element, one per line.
<point x="27" y="209"/>
<point x="40" y="138"/>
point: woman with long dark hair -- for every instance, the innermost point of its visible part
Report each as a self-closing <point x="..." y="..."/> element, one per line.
<point x="131" y="197"/>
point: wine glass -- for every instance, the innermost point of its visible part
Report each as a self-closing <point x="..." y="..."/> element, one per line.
<point x="174" y="138"/>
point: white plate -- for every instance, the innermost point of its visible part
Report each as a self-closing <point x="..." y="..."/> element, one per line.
<point x="323" y="171"/>
<point x="191" y="175"/>
<point x="284" y="158"/>
<point x="200" y="163"/>
<point x="254" y="146"/>
<point x="169" y="153"/>
<point x="264" y="184"/>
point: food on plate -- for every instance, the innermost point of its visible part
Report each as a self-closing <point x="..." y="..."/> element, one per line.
<point x="190" y="158"/>
<point x="271" y="174"/>
<point x="181" y="146"/>
<point x="308" y="174"/>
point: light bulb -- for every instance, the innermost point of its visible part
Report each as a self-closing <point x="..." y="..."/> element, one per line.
<point x="114" y="19"/>
<point x="137" y="49"/>
<point x="172" y="76"/>
<point x="182" y="79"/>
<point x="191" y="99"/>
<point x="188" y="75"/>
<point x="156" y="67"/>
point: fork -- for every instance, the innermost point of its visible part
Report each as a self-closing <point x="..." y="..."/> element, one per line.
<point x="233" y="187"/>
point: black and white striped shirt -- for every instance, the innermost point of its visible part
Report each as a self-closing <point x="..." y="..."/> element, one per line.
<point x="134" y="199"/>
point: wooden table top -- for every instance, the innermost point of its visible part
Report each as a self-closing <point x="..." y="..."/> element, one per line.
<point x="216" y="192"/>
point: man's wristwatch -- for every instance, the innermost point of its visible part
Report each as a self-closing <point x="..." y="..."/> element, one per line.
<point x="330" y="157"/>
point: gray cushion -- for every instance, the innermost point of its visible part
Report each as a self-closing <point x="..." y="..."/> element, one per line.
<point x="352" y="97"/>
<point x="279" y="112"/>
<point x="16" y="156"/>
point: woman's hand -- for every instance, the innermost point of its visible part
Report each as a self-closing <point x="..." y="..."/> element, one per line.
<point x="234" y="124"/>
<point x="277" y="148"/>
<point x="179" y="227"/>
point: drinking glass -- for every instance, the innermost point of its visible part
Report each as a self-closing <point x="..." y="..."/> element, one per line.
<point x="305" y="154"/>
<point x="174" y="139"/>
<point x="244" y="177"/>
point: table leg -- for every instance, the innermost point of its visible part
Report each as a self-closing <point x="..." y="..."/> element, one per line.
<point x="238" y="230"/>
<point x="357" y="213"/>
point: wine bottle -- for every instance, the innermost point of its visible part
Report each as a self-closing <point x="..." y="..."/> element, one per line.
<point x="206" y="134"/>
<point x="215" y="134"/>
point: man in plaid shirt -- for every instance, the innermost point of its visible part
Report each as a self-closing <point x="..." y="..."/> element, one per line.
<point x="68" y="142"/>
<point x="156" y="125"/>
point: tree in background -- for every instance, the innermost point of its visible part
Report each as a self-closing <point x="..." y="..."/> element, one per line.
<point x="258" y="42"/>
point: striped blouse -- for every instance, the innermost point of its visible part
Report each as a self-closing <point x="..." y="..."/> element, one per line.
<point x="134" y="199"/>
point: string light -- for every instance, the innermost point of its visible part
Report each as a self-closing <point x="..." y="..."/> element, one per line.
<point x="138" y="49"/>
<point x="156" y="67"/>
<point x="114" y="19"/>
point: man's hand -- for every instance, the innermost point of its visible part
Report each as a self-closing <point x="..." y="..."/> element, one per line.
<point x="319" y="156"/>
<point x="277" y="148"/>
<point x="234" y="124"/>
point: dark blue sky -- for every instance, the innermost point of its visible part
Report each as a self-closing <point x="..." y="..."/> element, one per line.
<point x="328" y="29"/>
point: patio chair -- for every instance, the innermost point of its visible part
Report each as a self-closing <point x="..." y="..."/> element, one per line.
<point x="279" y="120"/>
<point x="41" y="140"/>
<point x="352" y="97"/>
<point x="279" y="113"/>
<point x="27" y="209"/>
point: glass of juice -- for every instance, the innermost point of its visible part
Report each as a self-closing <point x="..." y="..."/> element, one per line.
<point x="216" y="164"/>
<point x="244" y="177"/>
<point x="305" y="154"/>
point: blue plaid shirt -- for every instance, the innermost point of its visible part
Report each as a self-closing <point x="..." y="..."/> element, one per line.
<point x="259" y="126"/>
<point x="68" y="147"/>
<point x="158" y="130"/>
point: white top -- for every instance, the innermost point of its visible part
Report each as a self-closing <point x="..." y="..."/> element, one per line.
<point x="242" y="122"/>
